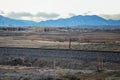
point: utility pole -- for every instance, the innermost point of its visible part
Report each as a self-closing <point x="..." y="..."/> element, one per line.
<point x="99" y="62"/>
<point x="70" y="43"/>
<point x="54" y="68"/>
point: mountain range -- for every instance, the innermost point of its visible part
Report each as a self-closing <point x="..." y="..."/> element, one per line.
<point x="80" y="21"/>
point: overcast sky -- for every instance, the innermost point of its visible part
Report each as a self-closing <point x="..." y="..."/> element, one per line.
<point x="38" y="10"/>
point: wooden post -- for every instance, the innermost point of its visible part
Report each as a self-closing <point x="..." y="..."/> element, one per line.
<point x="54" y="67"/>
<point x="99" y="63"/>
<point x="70" y="43"/>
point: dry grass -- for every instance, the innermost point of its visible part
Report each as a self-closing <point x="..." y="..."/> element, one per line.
<point x="7" y="67"/>
<point x="86" y="40"/>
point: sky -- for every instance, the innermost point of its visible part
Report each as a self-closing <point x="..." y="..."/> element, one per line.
<point x="39" y="10"/>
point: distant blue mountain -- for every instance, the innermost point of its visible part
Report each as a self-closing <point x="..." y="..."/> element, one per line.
<point x="4" y="21"/>
<point x="75" y="21"/>
<point x="87" y="21"/>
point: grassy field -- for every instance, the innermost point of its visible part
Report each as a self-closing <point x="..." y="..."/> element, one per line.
<point x="59" y="39"/>
<point x="53" y="61"/>
<point x="27" y="73"/>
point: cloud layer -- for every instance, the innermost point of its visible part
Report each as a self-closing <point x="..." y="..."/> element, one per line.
<point x="46" y="15"/>
<point x="41" y="16"/>
<point x="1" y="12"/>
<point x="114" y="16"/>
<point x="19" y="15"/>
<point x="29" y="16"/>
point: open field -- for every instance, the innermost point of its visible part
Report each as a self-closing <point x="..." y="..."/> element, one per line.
<point x="99" y="40"/>
<point x="56" y="74"/>
<point x="69" y="59"/>
<point x="59" y="54"/>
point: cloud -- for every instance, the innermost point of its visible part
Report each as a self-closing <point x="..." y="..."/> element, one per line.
<point x="71" y="14"/>
<point x="114" y="16"/>
<point x="19" y="15"/>
<point x="1" y="12"/>
<point x="29" y="16"/>
<point x="47" y="15"/>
